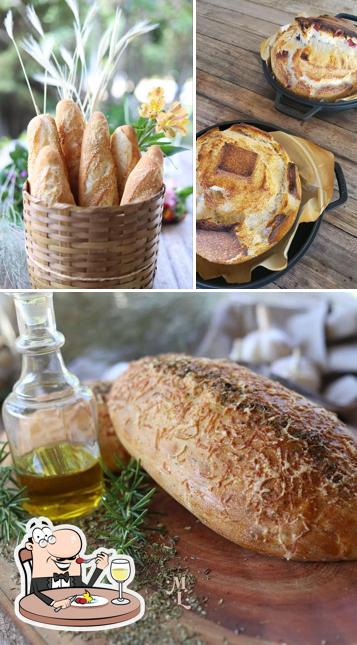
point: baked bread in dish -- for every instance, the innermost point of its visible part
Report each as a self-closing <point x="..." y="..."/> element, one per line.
<point x="316" y="57"/>
<point x="254" y="461"/>
<point x="248" y="194"/>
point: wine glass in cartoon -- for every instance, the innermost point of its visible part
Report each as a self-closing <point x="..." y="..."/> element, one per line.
<point x="120" y="571"/>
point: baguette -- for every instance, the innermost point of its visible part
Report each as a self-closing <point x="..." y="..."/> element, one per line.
<point x="97" y="179"/>
<point x="70" y="126"/>
<point x="155" y="153"/>
<point x="49" y="178"/>
<point x="41" y="131"/>
<point x="146" y="179"/>
<point x="254" y="461"/>
<point x="126" y="153"/>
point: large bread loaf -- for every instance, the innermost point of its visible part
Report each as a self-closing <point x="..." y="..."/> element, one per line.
<point x="252" y="460"/>
<point x="248" y="194"/>
<point x="316" y="57"/>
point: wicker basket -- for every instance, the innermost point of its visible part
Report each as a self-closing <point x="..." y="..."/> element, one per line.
<point x="70" y="247"/>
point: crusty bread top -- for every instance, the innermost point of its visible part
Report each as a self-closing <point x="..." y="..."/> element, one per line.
<point x="338" y="27"/>
<point x="155" y="152"/>
<point x="248" y="193"/>
<point x="41" y="131"/>
<point x="126" y="153"/>
<point x="70" y="126"/>
<point x="49" y="181"/>
<point x="316" y="57"/>
<point x="97" y="176"/>
<point x="257" y="462"/>
<point x="146" y="178"/>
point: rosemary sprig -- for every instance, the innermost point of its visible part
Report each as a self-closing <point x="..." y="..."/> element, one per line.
<point x="126" y="504"/>
<point x="12" y="515"/>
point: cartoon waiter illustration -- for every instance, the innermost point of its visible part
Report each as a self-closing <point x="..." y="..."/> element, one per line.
<point x="56" y="562"/>
<point x="54" y="586"/>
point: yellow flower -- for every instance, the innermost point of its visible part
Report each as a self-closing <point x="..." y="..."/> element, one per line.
<point x="154" y="105"/>
<point x="173" y="121"/>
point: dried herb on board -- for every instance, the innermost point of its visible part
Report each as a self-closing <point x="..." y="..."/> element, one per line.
<point x="122" y="522"/>
<point x="157" y="563"/>
<point x="12" y="515"/>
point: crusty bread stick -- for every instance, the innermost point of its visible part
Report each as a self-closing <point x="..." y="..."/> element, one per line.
<point x="41" y="131"/>
<point x="49" y="178"/>
<point x="146" y="178"/>
<point x="126" y="153"/>
<point x="97" y="177"/>
<point x="70" y="125"/>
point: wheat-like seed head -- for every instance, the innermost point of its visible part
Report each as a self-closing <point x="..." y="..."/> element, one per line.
<point x="72" y="76"/>
<point x="34" y="19"/>
<point x="9" y="25"/>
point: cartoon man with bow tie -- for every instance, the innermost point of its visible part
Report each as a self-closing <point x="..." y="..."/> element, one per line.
<point x="56" y="561"/>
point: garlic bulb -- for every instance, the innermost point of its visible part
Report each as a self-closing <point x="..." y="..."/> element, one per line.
<point x="341" y="322"/>
<point x="298" y="369"/>
<point x="343" y="391"/>
<point x="264" y="345"/>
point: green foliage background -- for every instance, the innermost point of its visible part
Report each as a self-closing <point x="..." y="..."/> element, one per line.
<point x="167" y="51"/>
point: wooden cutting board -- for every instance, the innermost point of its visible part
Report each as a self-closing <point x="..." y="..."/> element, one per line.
<point x="259" y="599"/>
<point x="251" y="599"/>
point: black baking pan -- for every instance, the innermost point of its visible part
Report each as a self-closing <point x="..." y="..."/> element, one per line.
<point x="304" y="235"/>
<point x="300" y="107"/>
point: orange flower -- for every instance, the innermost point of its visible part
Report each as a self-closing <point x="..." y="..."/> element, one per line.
<point x="173" y="121"/>
<point x="154" y="105"/>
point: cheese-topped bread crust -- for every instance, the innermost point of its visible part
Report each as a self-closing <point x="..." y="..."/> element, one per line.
<point x="316" y="57"/>
<point x="254" y="461"/>
<point x="248" y="194"/>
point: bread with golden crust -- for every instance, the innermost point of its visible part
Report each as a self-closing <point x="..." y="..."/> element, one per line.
<point x="70" y="126"/>
<point x="146" y="179"/>
<point x="254" y="461"/>
<point x="49" y="178"/>
<point x="126" y="153"/>
<point x="248" y="194"/>
<point x="97" y="175"/>
<point x="41" y="131"/>
<point x="110" y="447"/>
<point x="316" y="57"/>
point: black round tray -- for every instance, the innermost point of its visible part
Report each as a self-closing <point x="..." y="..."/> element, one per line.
<point x="300" y="107"/>
<point x="303" y="237"/>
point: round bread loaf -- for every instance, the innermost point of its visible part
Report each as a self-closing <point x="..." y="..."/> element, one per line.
<point x="254" y="461"/>
<point x="317" y="57"/>
<point x="248" y="194"/>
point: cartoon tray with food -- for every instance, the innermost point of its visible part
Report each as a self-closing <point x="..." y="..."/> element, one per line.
<point x="87" y="608"/>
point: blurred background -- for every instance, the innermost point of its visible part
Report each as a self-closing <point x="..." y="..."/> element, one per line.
<point x="162" y="57"/>
<point x="307" y="341"/>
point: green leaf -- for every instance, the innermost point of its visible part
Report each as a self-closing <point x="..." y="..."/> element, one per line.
<point x="169" y="149"/>
<point x="140" y="124"/>
<point x="156" y="138"/>
<point x="184" y="192"/>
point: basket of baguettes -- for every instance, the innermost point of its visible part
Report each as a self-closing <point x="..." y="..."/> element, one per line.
<point x="92" y="203"/>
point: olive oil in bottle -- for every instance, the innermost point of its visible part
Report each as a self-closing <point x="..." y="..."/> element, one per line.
<point x="50" y="420"/>
<point x="62" y="481"/>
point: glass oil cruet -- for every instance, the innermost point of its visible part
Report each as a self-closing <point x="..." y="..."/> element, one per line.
<point x="50" y="420"/>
